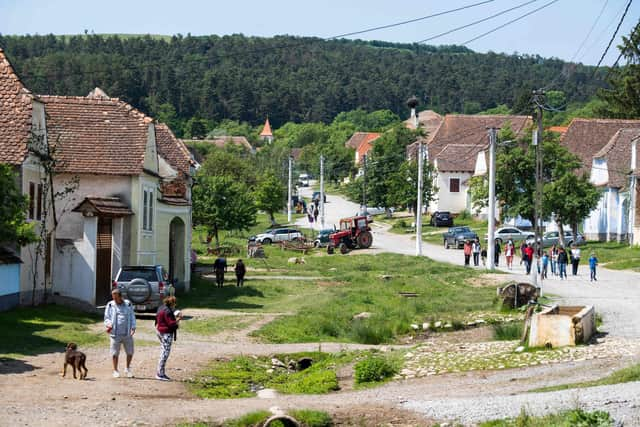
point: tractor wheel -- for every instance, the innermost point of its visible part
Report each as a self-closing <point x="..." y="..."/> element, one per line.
<point x="364" y="240"/>
<point x="344" y="249"/>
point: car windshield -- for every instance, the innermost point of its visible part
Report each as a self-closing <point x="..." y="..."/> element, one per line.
<point x="462" y="229"/>
<point x="147" y="274"/>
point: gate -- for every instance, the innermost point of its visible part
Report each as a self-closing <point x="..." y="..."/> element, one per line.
<point x="103" y="261"/>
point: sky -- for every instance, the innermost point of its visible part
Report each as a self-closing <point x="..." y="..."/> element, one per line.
<point x="557" y="30"/>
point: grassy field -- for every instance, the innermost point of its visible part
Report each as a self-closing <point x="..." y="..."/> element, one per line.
<point x="624" y="375"/>
<point x="28" y="331"/>
<point x="576" y="417"/>
<point x="307" y="418"/>
<point x="215" y="325"/>
<point x="613" y="255"/>
<point x="402" y="225"/>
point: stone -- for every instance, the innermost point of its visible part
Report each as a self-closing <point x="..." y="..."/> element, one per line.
<point x="448" y="325"/>
<point x="363" y="315"/>
<point x="415" y="327"/>
<point x="519" y="349"/>
<point x="296" y="260"/>
<point x="385" y="277"/>
<point x="267" y="393"/>
<point x="270" y="371"/>
<point x="426" y="326"/>
<point x="438" y="324"/>
<point x="333" y="269"/>
<point x="277" y="363"/>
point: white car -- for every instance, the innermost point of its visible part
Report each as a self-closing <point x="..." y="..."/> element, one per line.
<point x="278" y="235"/>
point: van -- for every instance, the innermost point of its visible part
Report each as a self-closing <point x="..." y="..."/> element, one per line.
<point x="304" y="179"/>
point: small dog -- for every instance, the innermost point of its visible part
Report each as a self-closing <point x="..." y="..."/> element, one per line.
<point x="76" y="359"/>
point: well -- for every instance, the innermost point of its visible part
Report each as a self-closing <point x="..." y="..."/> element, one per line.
<point x="562" y="326"/>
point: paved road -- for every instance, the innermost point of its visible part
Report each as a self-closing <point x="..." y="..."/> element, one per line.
<point x="616" y="294"/>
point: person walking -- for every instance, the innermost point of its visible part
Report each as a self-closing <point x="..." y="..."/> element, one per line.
<point x="527" y="257"/>
<point x="219" y="268"/>
<point x="240" y="270"/>
<point x="467" y="252"/>
<point x="509" y="250"/>
<point x="475" y="249"/>
<point x="483" y="256"/>
<point x="545" y="264"/>
<point x="315" y="215"/>
<point x="498" y="250"/>
<point x="166" y="331"/>
<point x="554" y="260"/>
<point x="575" y="259"/>
<point x="593" y="262"/>
<point x="522" y="246"/>
<point x="120" y="321"/>
<point x="562" y="263"/>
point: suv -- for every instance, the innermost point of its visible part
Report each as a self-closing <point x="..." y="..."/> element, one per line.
<point x="278" y="235"/>
<point x="441" y="219"/>
<point x="144" y="286"/>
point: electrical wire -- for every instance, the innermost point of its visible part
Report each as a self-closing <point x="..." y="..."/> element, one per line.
<point x="613" y="37"/>
<point x="476" y="22"/>
<point x="510" y="22"/>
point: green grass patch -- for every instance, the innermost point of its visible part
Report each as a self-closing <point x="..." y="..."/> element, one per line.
<point x="434" y="234"/>
<point x="214" y="325"/>
<point x="576" y="417"/>
<point x="508" y="331"/>
<point x="624" y="375"/>
<point x="312" y="418"/>
<point x="375" y="369"/>
<point x="306" y="417"/>
<point x="29" y="331"/>
<point x="613" y="255"/>
<point x="242" y="376"/>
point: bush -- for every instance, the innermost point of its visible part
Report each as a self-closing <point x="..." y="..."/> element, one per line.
<point x="373" y="369"/>
<point x="371" y="331"/>
<point x="311" y="418"/>
<point x="249" y="420"/>
<point x="402" y="224"/>
<point x="318" y="382"/>
<point x="508" y="331"/>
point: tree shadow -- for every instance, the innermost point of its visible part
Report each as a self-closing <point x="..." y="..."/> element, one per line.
<point x="205" y="294"/>
<point x="14" y="366"/>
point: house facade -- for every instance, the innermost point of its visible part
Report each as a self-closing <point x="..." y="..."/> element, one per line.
<point x="131" y="198"/>
<point x="605" y="148"/>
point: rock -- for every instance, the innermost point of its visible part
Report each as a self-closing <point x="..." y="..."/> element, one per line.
<point x="415" y="327"/>
<point x="519" y="349"/>
<point x="267" y="393"/>
<point x="385" y="277"/>
<point x="448" y="325"/>
<point x="480" y="321"/>
<point x="304" y="363"/>
<point x="333" y="269"/>
<point x="438" y="324"/>
<point x="296" y="260"/>
<point x="270" y="371"/>
<point x="363" y="315"/>
<point x="426" y="326"/>
<point x="278" y="363"/>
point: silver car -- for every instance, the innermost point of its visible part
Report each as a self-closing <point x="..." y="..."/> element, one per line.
<point x="553" y="238"/>
<point x="505" y="233"/>
<point x="144" y="286"/>
<point x="279" y="235"/>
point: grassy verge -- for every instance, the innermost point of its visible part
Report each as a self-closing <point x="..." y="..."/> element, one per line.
<point x="508" y="331"/>
<point x="624" y="375"/>
<point x="214" y="325"/>
<point x="613" y="255"/>
<point x="434" y="234"/>
<point x="29" y="331"/>
<point x="306" y="417"/>
<point x="242" y="376"/>
<point x="576" y="417"/>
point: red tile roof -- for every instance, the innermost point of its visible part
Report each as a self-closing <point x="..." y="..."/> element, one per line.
<point x="429" y="121"/>
<point x="266" y="130"/>
<point x="15" y="115"/>
<point x="365" y="146"/>
<point x="617" y="153"/>
<point x="458" y="158"/>
<point x="96" y="135"/>
<point x="558" y="129"/>
<point x="172" y="149"/>
<point x="585" y="137"/>
<point x="360" y="137"/>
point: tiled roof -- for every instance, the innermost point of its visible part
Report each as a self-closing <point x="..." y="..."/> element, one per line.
<point x="585" y="137"/>
<point x="429" y="121"/>
<point x="96" y="135"/>
<point x="458" y="158"/>
<point x="617" y="152"/>
<point x="558" y="129"/>
<point x="266" y="130"/>
<point x="172" y="149"/>
<point x="359" y="137"/>
<point x="15" y="115"/>
<point x="364" y="147"/>
<point x="104" y="206"/>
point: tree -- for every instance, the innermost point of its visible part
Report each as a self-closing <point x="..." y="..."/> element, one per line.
<point x="230" y="161"/>
<point x="221" y="203"/>
<point x="196" y="128"/>
<point x="13" y="205"/>
<point x="623" y="97"/>
<point x="270" y="195"/>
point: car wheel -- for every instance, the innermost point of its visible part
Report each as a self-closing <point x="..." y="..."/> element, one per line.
<point x="266" y="241"/>
<point x="446" y="244"/>
<point x="316" y="244"/>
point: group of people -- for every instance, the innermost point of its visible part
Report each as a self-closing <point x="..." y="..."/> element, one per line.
<point x="220" y="267"/>
<point x="557" y="257"/>
<point x="120" y="324"/>
<point x="313" y="211"/>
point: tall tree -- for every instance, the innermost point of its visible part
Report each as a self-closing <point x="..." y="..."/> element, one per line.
<point x="270" y="195"/>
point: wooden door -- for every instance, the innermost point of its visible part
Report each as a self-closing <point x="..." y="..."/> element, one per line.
<point x="103" y="261"/>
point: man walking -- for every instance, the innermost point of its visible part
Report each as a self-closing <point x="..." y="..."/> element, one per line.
<point x="240" y="270"/>
<point x="220" y="267"/>
<point x="575" y="259"/>
<point x="475" y="249"/>
<point x="120" y="321"/>
<point x="562" y="263"/>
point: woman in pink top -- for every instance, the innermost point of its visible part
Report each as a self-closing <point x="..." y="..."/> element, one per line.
<point x="467" y="252"/>
<point x="509" y="250"/>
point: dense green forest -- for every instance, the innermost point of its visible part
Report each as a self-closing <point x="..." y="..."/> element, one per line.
<point x="286" y="78"/>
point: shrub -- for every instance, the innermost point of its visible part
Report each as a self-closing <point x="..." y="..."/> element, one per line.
<point x="317" y="382"/>
<point x="508" y="331"/>
<point x="249" y="420"/>
<point x="311" y="418"/>
<point x="401" y="224"/>
<point x="371" y="331"/>
<point x="373" y="369"/>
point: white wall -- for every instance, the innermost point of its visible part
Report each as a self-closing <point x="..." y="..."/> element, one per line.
<point x="447" y="201"/>
<point x="602" y="222"/>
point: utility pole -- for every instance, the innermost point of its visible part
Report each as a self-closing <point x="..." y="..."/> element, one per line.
<point x="412" y="103"/>
<point x="364" y="183"/>
<point x="321" y="191"/>
<point x="491" y="245"/>
<point x="538" y="96"/>
<point x="289" y="191"/>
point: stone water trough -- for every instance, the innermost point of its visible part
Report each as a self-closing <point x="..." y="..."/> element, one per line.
<point x="558" y="326"/>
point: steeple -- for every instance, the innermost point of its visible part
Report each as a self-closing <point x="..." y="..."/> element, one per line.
<point x="266" y="135"/>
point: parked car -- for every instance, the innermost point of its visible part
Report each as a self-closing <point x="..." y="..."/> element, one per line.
<point x="278" y="235"/>
<point x="144" y="286"/>
<point x="456" y="236"/>
<point x="316" y="196"/>
<point x="553" y="238"/>
<point x="441" y="219"/>
<point x="304" y="179"/>
<point x="505" y="233"/>
<point x="322" y="239"/>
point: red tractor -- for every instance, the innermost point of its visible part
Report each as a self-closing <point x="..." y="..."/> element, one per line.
<point x="354" y="233"/>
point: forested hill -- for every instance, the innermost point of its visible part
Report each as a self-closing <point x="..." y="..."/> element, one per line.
<point x="285" y="78"/>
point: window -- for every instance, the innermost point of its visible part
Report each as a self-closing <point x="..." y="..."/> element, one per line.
<point x="147" y="209"/>
<point x="32" y="200"/>
<point x="454" y="185"/>
<point x="39" y="208"/>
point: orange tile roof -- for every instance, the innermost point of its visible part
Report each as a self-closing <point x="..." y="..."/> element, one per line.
<point x="558" y="129"/>
<point x="172" y="149"/>
<point x="96" y="135"/>
<point x="365" y="146"/>
<point x="266" y="130"/>
<point x="15" y="115"/>
<point x="360" y="137"/>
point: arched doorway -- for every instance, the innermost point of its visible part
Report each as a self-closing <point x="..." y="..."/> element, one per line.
<point x="177" y="254"/>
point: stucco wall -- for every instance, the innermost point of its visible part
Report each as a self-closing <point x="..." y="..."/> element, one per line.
<point x="447" y="201"/>
<point x="607" y="221"/>
<point x="166" y="214"/>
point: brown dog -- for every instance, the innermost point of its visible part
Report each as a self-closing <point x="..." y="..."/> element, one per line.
<point x="76" y="359"/>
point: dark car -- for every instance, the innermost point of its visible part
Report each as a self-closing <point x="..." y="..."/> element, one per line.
<point x="316" y="196"/>
<point x="441" y="219"/>
<point x="456" y="236"/>
<point x="322" y="239"/>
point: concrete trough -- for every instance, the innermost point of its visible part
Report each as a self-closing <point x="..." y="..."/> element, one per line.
<point x="558" y="326"/>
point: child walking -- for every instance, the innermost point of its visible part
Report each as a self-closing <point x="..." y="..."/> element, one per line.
<point x="593" y="262"/>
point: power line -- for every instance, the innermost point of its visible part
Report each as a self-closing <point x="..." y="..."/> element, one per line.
<point x="409" y="21"/>
<point x="476" y="22"/>
<point x="593" y="26"/>
<point x="614" y="35"/>
<point x="509" y="22"/>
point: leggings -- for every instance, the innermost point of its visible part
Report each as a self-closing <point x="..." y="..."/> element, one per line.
<point x="165" y="349"/>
